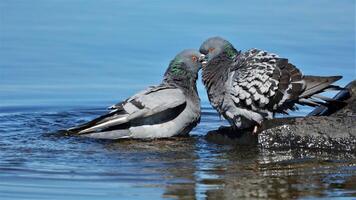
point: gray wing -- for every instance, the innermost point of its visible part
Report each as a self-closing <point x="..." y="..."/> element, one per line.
<point x="151" y="106"/>
<point x="265" y="83"/>
<point x="149" y="90"/>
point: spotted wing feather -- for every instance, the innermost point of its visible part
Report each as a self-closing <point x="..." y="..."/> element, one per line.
<point x="264" y="83"/>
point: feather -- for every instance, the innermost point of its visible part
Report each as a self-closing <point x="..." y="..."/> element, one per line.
<point x="316" y="84"/>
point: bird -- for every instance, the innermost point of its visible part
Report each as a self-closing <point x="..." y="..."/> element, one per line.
<point x="169" y="109"/>
<point x="249" y="87"/>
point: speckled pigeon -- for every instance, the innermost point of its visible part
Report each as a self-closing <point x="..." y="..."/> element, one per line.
<point x="169" y="109"/>
<point x="248" y="87"/>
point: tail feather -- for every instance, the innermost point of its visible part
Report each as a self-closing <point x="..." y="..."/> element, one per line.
<point x="102" y="123"/>
<point x="311" y="102"/>
<point x="317" y="84"/>
<point x="313" y="86"/>
<point x="340" y="100"/>
<point x="91" y="123"/>
<point x="105" y="124"/>
<point x="334" y="88"/>
<point x="324" y="98"/>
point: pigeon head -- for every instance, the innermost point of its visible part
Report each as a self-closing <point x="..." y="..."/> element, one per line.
<point x="184" y="67"/>
<point x="217" y="46"/>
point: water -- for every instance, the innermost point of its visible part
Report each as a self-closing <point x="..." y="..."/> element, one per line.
<point x="63" y="62"/>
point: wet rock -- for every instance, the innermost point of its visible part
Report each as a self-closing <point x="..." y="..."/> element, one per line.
<point x="227" y="135"/>
<point x="324" y="128"/>
<point x="333" y="133"/>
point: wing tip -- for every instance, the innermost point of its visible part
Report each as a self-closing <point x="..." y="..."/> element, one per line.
<point x="336" y="78"/>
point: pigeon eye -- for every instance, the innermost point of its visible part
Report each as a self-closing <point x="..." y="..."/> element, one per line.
<point x="194" y="58"/>
<point x="211" y="50"/>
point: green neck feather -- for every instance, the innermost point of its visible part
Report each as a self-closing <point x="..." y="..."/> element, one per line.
<point x="176" y="67"/>
<point x="230" y="50"/>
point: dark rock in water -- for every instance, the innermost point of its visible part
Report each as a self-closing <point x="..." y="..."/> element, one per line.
<point x="227" y="135"/>
<point x="330" y="129"/>
<point x="334" y="133"/>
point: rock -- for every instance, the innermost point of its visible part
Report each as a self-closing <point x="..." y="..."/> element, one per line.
<point x="324" y="128"/>
<point x="226" y="135"/>
<point x="322" y="132"/>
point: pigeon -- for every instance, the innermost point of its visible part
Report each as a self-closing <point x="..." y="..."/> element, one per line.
<point x="249" y="87"/>
<point x="169" y="109"/>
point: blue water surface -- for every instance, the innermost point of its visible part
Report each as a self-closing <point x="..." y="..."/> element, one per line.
<point x="62" y="62"/>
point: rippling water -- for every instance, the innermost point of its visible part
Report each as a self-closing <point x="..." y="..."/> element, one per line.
<point x="62" y="62"/>
<point x="38" y="164"/>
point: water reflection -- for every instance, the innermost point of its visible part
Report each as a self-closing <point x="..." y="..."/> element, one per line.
<point x="283" y="174"/>
<point x="173" y="159"/>
<point x="193" y="168"/>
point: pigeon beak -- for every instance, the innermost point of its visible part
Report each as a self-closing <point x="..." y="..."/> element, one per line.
<point x="203" y="60"/>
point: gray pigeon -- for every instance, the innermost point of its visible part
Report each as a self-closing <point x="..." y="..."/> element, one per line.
<point x="169" y="109"/>
<point x="249" y="87"/>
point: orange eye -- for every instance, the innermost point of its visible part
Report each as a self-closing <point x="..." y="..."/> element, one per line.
<point x="194" y="58"/>
<point x="211" y="49"/>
